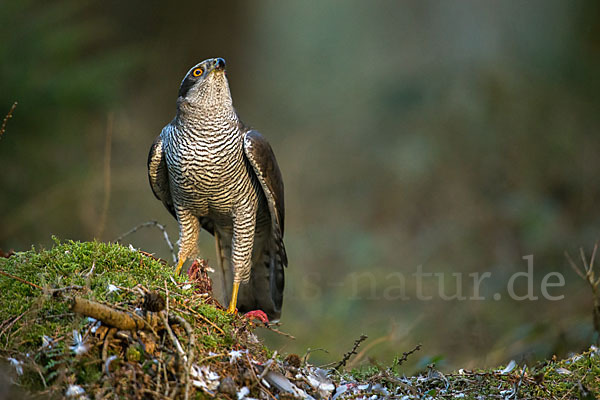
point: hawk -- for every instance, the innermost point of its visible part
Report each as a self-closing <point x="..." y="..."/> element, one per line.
<point x="211" y="171"/>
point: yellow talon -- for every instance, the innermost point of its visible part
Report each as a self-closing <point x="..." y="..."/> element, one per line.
<point x="179" y="265"/>
<point x="233" y="303"/>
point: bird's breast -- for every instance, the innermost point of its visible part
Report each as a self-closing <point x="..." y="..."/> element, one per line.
<point x="206" y="172"/>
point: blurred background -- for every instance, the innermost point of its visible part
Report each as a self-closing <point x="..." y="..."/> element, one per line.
<point x="447" y="137"/>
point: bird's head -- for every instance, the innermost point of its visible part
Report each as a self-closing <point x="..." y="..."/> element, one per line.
<point x="205" y="86"/>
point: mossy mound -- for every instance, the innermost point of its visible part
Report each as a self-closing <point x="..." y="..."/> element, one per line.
<point x="57" y="351"/>
<point x="181" y="344"/>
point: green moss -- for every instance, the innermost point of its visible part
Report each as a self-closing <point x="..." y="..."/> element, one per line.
<point x="567" y="376"/>
<point x="35" y="291"/>
<point x="365" y="372"/>
<point x="134" y="353"/>
<point x="209" y="341"/>
<point x="88" y="371"/>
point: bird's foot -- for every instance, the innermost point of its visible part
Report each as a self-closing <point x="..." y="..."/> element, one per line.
<point x="231" y="309"/>
<point x="259" y="315"/>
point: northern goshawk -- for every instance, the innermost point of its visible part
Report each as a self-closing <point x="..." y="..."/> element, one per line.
<point x="212" y="172"/>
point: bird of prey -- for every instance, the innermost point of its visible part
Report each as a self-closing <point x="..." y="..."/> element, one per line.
<point x="213" y="172"/>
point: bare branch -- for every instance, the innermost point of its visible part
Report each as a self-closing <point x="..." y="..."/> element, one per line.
<point x="593" y="255"/>
<point x="591" y="280"/>
<point x="406" y="354"/>
<point x="583" y="260"/>
<point x="352" y="352"/>
<point x="5" y="120"/>
<point x="574" y="266"/>
<point x="150" y="224"/>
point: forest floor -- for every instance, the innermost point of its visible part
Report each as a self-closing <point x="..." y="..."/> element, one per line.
<point x="92" y="320"/>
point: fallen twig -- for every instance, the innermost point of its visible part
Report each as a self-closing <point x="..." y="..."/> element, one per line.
<point x="172" y="336"/>
<point x="108" y="315"/>
<point x="201" y="317"/>
<point x="164" y="316"/>
<point x="190" y="352"/>
<point x="6" y="325"/>
<point x="268" y="366"/>
<point x="280" y="332"/>
<point x="107" y="338"/>
<point x="21" y="280"/>
<point x="62" y="289"/>
<point x="256" y="378"/>
<point x="52" y="291"/>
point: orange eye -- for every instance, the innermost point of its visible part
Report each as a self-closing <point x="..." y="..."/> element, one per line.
<point x="197" y="72"/>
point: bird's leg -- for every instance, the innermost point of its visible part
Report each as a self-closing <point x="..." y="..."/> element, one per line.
<point x="189" y="228"/>
<point x="233" y="303"/>
<point x="179" y="265"/>
<point x="244" y="222"/>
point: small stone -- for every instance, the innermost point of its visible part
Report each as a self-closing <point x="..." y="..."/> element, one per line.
<point x="228" y="387"/>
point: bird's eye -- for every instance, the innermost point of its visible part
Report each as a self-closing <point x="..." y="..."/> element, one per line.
<point x="197" y="72"/>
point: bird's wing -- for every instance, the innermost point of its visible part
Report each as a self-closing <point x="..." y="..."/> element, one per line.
<point x="159" y="175"/>
<point x="266" y="294"/>
<point x="261" y="157"/>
